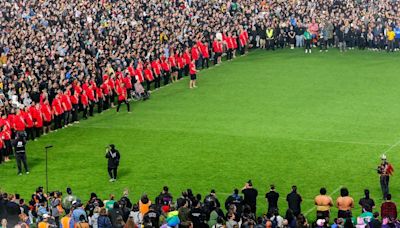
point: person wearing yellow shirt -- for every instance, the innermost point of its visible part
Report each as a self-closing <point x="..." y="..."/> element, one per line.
<point x="45" y="222"/>
<point x="64" y="223"/>
<point x="390" y="38"/>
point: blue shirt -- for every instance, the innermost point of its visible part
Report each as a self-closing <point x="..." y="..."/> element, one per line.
<point x="397" y="31"/>
<point x="75" y="216"/>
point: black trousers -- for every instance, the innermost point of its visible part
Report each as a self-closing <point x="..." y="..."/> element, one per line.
<point x="180" y="73"/>
<point x="384" y="181"/>
<point x="74" y="111"/>
<point x="186" y="70"/>
<point x="21" y="158"/>
<point x="29" y="133"/>
<point x="157" y="82"/>
<point x="148" y="84"/>
<point x="112" y="172"/>
<point x="85" y="110"/>
<point x="67" y="117"/>
<point x="57" y="121"/>
<point x="91" y="107"/>
<point x="123" y="101"/>
<point x="37" y="132"/>
<point x="167" y="75"/>
<point x="229" y="54"/>
<point x="205" y="63"/>
<point x="100" y="106"/>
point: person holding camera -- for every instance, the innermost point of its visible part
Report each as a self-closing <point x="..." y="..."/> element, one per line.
<point x="20" y="153"/>
<point x="385" y="170"/>
<point x="113" y="157"/>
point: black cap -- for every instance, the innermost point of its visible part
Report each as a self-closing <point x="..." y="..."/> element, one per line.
<point x="112" y="146"/>
<point x="212" y="191"/>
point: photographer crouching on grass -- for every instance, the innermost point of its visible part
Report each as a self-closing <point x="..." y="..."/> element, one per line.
<point x="20" y="152"/>
<point x="113" y="157"/>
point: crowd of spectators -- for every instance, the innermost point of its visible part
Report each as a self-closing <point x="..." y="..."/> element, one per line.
<point x="193" y="210"/>
<point x="62" y="59"/>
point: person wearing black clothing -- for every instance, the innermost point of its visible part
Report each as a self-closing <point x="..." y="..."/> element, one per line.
<point x="197" y="216"/>
<point x="366" y="202"/>
<point x="234" y="199"/>
<point x="272" y="199"/>
<point x="211" y="202"/>
<point x="294" y="201"/>
<point x="250" y="196"/>
<point x="165" y="198"/>
<point x="151" y="218"/>
<point x="20" y="153"/>
<point x="113" y="157"/>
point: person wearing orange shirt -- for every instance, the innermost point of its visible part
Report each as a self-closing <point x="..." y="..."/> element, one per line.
<point x="324" y="204"/>
<point x="344" y="203"/>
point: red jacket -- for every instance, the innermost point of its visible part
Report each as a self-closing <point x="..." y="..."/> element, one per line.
<point x="204" y="51"/>
<point x="19" y="122"/>
<point x="46" y="111"/>
<point x="192" y="68"/>
<point x="57" y="107"/>
<point x="165" y="66"/>
<point x="84" y="100"/>
<point x="217" y="47"/>
<point x="139" y="75"/>
<point x="66" y="101"/>
<point x="156" y="67"/>
<point x="148" y="74"/>
<point x="28" y="119"/>
<point x="195" y="53"/>
<point x="128" y="82"/>
<point x="121" y="93"/>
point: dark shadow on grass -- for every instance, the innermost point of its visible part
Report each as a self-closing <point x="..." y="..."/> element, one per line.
<point x="122" y="172"/>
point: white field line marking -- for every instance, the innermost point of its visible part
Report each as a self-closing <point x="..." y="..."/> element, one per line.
<point x="313" y="208"/>
<point x="393" y="146"/>
<point x="348" y="142"/>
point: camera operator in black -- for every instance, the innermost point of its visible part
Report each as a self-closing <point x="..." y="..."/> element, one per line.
<point x="20" y="152"/>
<point x="113" y="157"/>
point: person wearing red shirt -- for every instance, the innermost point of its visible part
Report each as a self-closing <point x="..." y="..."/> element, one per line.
<point x="85" y="103"/>
<point x="37" y="118"/>
<point x="166" y="69"/>
<point x="127" y="80"/>
<point x="29" y="124"/>
<point x="92" y="99"/>
<point x="19" y="122"/>
<point x="100" y="99"/>
<point x="6" y="136"/>
<point x="235" y="45"/>
<point x="57" y="110"/>
<point x="67" y="106"/>
<point x="192" y="71"/>
<point x="204" y="53"/>
<point x="1" y="148"/>
<point x="155" y="65"/>
<point x="74" y="98"/>
<point x="122" y="97"/>
<point x="187" y="61"/>
<point x="149" y="76"/>
<point x="229" y="46"/>
<point x="47" y="116"/>
<point x="174" y="69"/>
<point x="180" y="63"/>
<point x="111" y="83"/>
<point x="217" y="49"/>
<point x="106" y="89"/>
<point x="139" y="74"/>
<point x="195" y="54"/>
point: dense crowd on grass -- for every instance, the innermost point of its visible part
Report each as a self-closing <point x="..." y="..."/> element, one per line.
<point x="61" y="60"/>
<point x="192" y="210"/>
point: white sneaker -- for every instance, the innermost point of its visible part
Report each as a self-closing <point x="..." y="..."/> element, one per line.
<point x="111" y="180"/>
<point x="27" y="173"/>
<point x="306" y="51"/>
<point x="310" y="51"/>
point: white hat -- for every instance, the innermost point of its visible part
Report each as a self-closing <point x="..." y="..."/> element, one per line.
<point x="383" y="157"/>
<point x="320" y="222"/>
<point x="74" y="202"/>
<point x="45" y="216"/>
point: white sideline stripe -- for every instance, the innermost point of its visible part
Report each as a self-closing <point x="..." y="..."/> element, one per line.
<point x="313" y="208"/>
<point x="393" y="146"/>
<point x="347" y="142"/>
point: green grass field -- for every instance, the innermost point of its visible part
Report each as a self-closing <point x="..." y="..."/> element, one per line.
<point x="282" y="118"/>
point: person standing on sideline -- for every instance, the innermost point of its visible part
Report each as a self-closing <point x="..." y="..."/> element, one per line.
<point x="294" y="201"/>
<point x="250" y="196"/>
<point x="272" y="199"/>
<point x="366" y="202"/>
<point x="344" y="204"/>
<point x="113" y="157"/>
<point x="385" y="169"/>
<point x="122" y="97"/>
<point x="324" y="204"/>
<point x="20" y="153"/>
<point x="307" y="41"/>
<point x="192" y="71"/>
